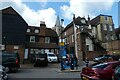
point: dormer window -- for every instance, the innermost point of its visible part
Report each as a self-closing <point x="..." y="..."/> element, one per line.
<point x="36" y="31"/>
<point x="28" y="30"/>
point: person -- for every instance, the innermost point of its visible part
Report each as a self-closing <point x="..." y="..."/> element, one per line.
<point x="72" y="63"/>
<point x="87" y="62"/>
<point x="76" y="62"/>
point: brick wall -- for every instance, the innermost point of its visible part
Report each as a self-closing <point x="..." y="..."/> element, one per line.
<point x="10" y="48"/>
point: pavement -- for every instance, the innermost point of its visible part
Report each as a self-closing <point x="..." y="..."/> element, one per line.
<point x="57" y="67"/>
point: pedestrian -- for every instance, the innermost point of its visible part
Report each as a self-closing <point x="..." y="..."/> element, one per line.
<point x="72" y="63"/>
<point x="76" y="62"/>
<point x="87" y="62"/>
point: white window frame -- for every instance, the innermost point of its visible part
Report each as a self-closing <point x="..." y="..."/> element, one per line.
<point x="111" y="28"/>
<point x="47" y="39"/>
<point x="105" y="27"/>
<point x="65" y="33"/>
<point x="72" y="38"/>
<point x="28" y="30"/>
<point x="32" y="38"/>
<point x="36" y="31"/>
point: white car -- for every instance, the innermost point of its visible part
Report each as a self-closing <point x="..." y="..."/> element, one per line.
<point x="52" y="57"/>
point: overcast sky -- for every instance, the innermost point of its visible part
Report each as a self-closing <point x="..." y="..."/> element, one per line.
<point x="34" y="11"/>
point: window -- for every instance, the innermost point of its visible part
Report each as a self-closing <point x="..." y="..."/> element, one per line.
<point x="106" y="37"/>
<point x="119" y="36"/>
<point x="36" y="31"/>
<point x="47" y="39"/>
<point x="72" y="38"/>
<point x="28" y="30"/>
<point x="101" y="66"/>
<point x="32" y="38"/>
<point x="65" y="33"/>
<point x="106" y="18"/>
<point x="105" y="27"/>
<point x="87" y="47"/>
<point x="112" y="37"/>
<point x="110" y="28"/>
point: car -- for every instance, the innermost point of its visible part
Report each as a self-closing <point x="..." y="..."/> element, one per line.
<point x="3" y="74"/>
<point x="99" y="71"/>
<point x="40" y="60"/>
<point x="117" y="73"/>
<point x="11" y="60"/>
<point x="102" y="58"/>
<point x="52" y="57"/>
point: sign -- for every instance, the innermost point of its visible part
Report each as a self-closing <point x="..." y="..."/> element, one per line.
<point x="61" y="44"/>
<point x="2" y="47"/>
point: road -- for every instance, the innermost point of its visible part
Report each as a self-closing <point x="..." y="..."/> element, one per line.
<point x="51" y="71"/>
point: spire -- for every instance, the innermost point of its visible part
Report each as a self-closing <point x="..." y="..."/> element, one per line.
<point x="57" y="24"/>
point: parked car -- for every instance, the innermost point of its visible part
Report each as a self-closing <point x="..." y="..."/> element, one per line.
<point x="52" y="57"/>
<point x="11" y="60"/>
<point x="3" y="74"/>
<point x="40" y="60"/>
<point x="102" y="71"/>
<point x="102" y="58"/>
<point x="117" y="73"/>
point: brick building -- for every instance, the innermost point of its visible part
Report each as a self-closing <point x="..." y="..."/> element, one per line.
<point x="104" y="29"/>
<point x="40" y="40"/>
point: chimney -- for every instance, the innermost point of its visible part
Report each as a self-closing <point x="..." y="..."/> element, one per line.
<point x="42" y="24"/>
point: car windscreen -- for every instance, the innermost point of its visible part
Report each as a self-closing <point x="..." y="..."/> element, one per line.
<point x="101" y="66"/>
<point x="9" y="55"/>
<point x="52" y="55"/>
<point x="40" y="55"/>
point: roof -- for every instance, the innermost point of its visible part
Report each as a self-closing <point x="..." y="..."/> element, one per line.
<point x="48" y="31"/>
<point x="96" y="20"/>
<point x="9" y="10"/>
<point x="77" y="22"/>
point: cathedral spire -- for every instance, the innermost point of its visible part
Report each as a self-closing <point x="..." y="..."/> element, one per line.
<point x="57" y="24"/>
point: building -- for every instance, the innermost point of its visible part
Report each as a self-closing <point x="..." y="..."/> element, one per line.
<point x="104" y="29"/>
<point x="40" y="40"/>
<point x="13" y="32"/>
<point x="113" y="45"/>
<point x="69" y="34"/>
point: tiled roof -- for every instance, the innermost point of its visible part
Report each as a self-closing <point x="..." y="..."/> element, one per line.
<point x="48" y="31"/>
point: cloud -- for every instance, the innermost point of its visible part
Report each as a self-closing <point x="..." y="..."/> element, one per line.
<point x="85" y="8"/>
<point x="31" y="16"/>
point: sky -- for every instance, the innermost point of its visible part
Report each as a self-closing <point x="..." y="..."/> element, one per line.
<point x="34" y="11"/>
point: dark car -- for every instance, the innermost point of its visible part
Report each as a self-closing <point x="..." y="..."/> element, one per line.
<point x="11" y="60"/>
<point x="117" y="73"/>
<point x="102" y="58"/>
<point x="40" y="59"/>
<point x="102" y="71"/>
